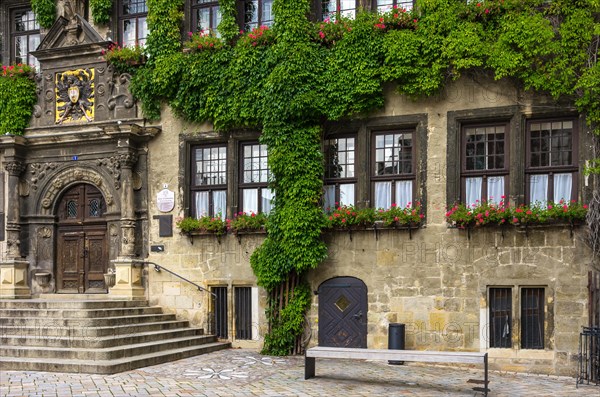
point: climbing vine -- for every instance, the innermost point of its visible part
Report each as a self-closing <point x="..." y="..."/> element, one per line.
<point x="101" y="11"/>
<point x="286" y="81"/>
<point x="45" y="12"/>
<point x="17" y="90"/>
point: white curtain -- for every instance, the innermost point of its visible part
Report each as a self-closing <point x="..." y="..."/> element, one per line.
<point x="383" y="195"/>
<point x="347" y="194"/>
<point x="562" y="187"/>
<point x="201" y="204"/>
<point x="250" y="201"/>
<point x="267" y="200"/>
<point x="473" y="191"/>
<point x="329" y="197"/>
<point x="404" y="193"/>
<point x="538" y="190"/>
<point x="495" y="189"/>
<point x="220" y="203"/>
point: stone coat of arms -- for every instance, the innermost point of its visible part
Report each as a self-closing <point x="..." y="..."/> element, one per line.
<point x="75" y="95"/>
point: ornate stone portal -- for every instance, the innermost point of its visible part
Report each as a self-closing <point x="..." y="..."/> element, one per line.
<point x="85" y="130"/>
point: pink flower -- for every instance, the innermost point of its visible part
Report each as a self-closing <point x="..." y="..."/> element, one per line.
<point x="487" y="11"/>
<point x="515" y="220"/>
<point x="421" y="216"/>
<point x="344" y="220"/>
<point x="585" y="207"/>
<point x="549" y="207"/>
<point x="396" y="219"/>
<point x="393" y="205"/>
<point x="528" y="212"/>
<point x="321" y="35"/>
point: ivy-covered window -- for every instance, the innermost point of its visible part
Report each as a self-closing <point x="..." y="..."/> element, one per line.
<point x="331" y="9"/>
<point x="551" y="160"/>
<point x="340" y="173"/>
<point x="484" y="163"/>
<point x="255" y="195"/>
<point x="258" y="13"/>
<point x="206" y="15"/>
<point x="387" y="5"/>
<point x="25" y="36"/>
<point x="393" y="169"/>
<point x="209" y="181"/>
<point x="133" y="28"/>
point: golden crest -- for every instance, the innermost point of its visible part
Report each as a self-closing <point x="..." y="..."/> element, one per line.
<point x="75" y="95"/>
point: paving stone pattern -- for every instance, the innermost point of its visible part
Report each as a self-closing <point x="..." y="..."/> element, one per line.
<point x="242" y="372"/>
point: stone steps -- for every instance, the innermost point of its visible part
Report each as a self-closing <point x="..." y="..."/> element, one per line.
<point x="106" y="366"/>
<point x="94" y="335"/>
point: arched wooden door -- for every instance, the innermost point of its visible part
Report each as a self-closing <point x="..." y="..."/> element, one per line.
<point x="343" y="313"/>
<point x="82" y="252"/>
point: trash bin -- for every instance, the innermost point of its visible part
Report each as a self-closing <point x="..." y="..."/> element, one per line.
<point x="396" y="333"/>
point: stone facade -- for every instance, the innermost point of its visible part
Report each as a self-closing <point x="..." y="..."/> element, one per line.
<point x="436" y="279"/>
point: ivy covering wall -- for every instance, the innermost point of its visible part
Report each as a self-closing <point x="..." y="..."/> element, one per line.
<point x="286" y="81"/>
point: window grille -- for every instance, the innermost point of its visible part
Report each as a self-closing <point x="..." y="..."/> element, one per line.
<point x="532" y="318"/>
<point x="500" y="305"/>
<point x="243" y="313"/>
<point x="220" y="312"/>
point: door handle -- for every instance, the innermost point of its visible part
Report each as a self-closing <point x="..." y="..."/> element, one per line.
<point x="358" y="315"/>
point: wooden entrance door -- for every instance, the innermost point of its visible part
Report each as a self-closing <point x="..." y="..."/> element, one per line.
<point x="343" y="313"/>
<point x="82" y="251"/>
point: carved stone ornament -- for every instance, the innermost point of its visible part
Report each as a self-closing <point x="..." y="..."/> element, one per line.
<point x="38" y="172"/>
<point x="128" y="160"/>
<point x="14" y="168"/>
<point x="45" y="232"/>
<point x="75" y="95"/>
<point x="24" y="188"/>
<point x="47" y="202"/>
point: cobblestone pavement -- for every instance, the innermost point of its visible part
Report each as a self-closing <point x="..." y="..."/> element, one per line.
<point x="241" y="372"/>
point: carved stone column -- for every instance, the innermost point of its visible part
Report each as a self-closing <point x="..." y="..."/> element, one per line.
<point x="13" y="270"/>
<point x="128" y="271"/>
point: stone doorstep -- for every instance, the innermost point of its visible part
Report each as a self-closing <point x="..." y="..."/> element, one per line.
<point x="90" y="322"/>
<point x="106" y="366"/>
<point x="79" y="312"/>
<point x="75" y="303"/>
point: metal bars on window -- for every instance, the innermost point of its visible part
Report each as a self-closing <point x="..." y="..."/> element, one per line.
<point x="220" y="312"/>
<point x="532" y="318"/>
<point x="243" y="312"/>
<point x="500" y="304"/>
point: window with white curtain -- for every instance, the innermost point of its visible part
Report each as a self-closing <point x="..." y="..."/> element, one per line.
<point x="133" y="28"/>
<point x="209" y="181"/>
<point x="206" y="16"/>
<point x="551" y="161"/>
<point x="258" y="13"/>
<point x="484" y="163"/>
<point x="332" y="9"/>
<point x="255" y="194"/>
<point x="25" y="36"/>
<point x="387" y="5"/>
<point x="340" y="173"/>
<point x="393" y="169"/>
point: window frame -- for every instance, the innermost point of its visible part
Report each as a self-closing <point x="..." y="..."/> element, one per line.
<point x="374" y="178"/>
<point x="527" y="340"/>
<point x="193" y="187"/>
<point x="122" y="17"/>
<point x="337" y="181"/>
<point x="195" y="6"/>
<point x="245" y="25"/>
<point x="241" y="185"/>
<point x="520" y="334"/>
<point x="375" y="5"/>
<point x="484" y="174"/>
<point x="13" y="34"/>
<point x="529" y="171"/>
<point x="321" y="10"/>
<point x="507" y="291"/>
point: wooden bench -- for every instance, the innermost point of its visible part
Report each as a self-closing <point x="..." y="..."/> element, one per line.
<point x="398" y="355"/>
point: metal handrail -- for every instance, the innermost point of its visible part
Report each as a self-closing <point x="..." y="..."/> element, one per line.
<point x="158" y="268"/>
